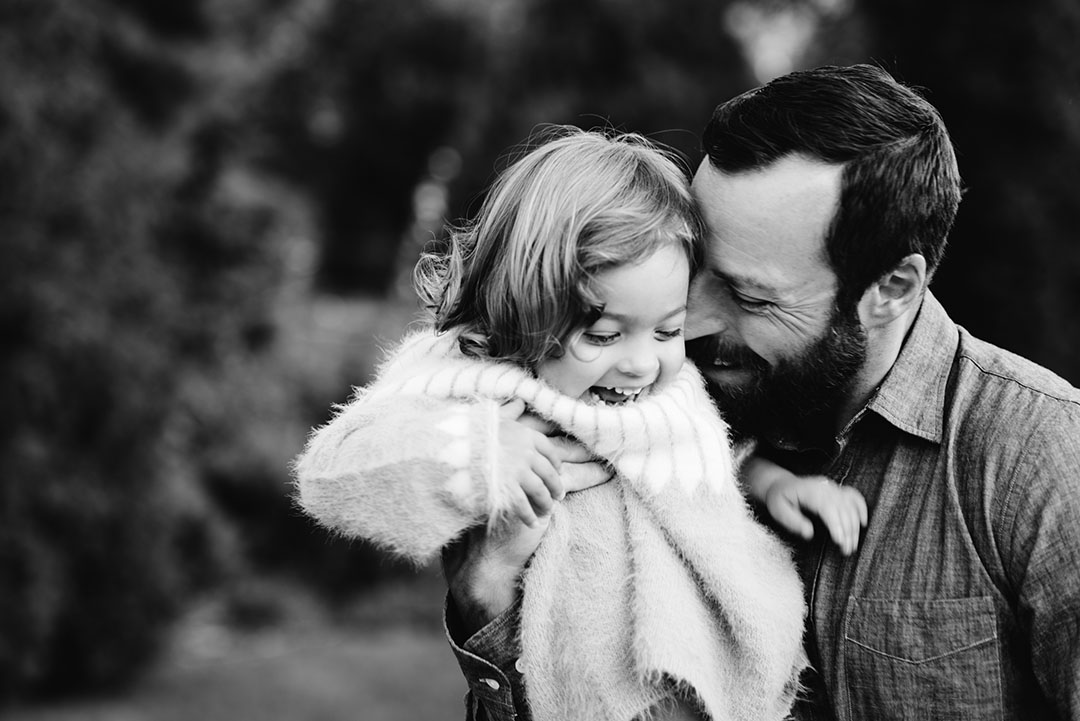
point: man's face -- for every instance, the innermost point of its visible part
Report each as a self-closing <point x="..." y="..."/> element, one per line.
<point x="762" y="319"/>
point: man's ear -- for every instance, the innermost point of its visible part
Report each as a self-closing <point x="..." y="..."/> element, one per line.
<point x="895" y="293"/>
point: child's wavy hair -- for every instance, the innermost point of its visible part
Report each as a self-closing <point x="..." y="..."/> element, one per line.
<point x="518" y="280"/>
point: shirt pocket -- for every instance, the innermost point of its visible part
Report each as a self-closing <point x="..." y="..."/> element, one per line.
<point x="922" y="659"/>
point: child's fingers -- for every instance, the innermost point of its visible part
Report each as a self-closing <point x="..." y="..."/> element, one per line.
<point x="834" y="524"/>
<point x="851" y="530"/>
<point x="544" y="486"/>
<point x="570" y="451"/>
<point x="549" y="451"/>
<point x="512" y="409"/>
<point x="538" y="424"/>
<point x="855" y="515"/>
<point x="579" y="476"/>
<point x="790" y="517"/>
<point x="842" y="524"/>
<point x="523" y="508"/>
<point x="860" y="504"/>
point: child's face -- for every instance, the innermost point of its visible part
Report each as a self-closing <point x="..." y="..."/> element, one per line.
<point x="637" y="342"/>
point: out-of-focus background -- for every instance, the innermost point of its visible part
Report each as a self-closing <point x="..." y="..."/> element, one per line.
<point x="208" y="214"/>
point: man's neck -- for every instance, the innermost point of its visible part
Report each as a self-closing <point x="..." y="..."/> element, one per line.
<point x="883" y="348"/>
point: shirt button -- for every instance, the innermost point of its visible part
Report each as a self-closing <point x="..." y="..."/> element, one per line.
<point x="492" y="683"/>
<point x="519" y="666"/>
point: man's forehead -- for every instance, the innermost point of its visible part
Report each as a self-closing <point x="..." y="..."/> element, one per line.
<point x="767" y="227"/>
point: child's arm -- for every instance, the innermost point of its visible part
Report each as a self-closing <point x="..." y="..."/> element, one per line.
<point x="791" y="499"/>
<point x="412" y="473"/>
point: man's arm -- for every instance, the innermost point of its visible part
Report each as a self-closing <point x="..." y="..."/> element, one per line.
<point x="1040" y="540"/>
<point x="483" y="572"/>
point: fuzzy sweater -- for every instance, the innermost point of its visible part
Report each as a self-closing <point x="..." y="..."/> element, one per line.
<point x="656" y="583"/>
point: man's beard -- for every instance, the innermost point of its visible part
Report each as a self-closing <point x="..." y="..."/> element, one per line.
<point x="801" y="397"/>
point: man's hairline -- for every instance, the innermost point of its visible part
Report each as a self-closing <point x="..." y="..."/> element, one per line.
<point x="823" y="251"/>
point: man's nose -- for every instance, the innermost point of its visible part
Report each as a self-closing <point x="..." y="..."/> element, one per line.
<point x="706" y="313"/>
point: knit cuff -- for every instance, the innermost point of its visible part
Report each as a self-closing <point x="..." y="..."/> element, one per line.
<point x="471" y="457"/>
<point x="486" y="461"/>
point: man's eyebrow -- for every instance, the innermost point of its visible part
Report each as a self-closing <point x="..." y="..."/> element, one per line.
<point x="622" y="318"/>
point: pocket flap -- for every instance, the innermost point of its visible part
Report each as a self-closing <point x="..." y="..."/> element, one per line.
<point x="918" y="631"/>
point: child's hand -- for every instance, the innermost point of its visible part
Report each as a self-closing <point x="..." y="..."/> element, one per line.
<point x="791" y="500"/>
<point x="841" y="509"/>
<point x="529" y="463"/>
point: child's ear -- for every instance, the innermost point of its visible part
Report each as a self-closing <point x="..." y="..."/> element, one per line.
<point x="895" y="293"/>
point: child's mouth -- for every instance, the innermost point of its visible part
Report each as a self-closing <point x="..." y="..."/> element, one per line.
<point x="614" y="396"/>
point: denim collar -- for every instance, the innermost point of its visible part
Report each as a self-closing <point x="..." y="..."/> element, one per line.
<point x="912" y="396"/>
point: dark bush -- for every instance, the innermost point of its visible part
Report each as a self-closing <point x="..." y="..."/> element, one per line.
<point x="105" y="528"/>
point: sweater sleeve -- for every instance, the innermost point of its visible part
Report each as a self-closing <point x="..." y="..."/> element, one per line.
<point x="409" y="473"/>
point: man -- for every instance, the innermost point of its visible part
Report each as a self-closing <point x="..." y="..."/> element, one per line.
<point x="828" y="195"/>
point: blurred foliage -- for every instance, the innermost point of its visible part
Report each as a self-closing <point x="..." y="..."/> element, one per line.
<point x="358" y="120"/>
<point x="148" y="267"/>
<point x="101" y="534"/>
<point x="1007" y="81"/>
<point x="205" y="204"/>
<point x="355" y="119"/>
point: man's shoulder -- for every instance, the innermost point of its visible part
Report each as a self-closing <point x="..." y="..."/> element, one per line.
<point x="997" y="368"/>
<point x="1004" y="395"/>
<point x="1011" y="433"/>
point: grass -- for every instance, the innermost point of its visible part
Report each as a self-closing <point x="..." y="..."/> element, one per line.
<point x="384" y="658"/>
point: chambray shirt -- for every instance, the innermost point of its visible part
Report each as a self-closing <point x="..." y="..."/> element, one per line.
<point x="963" y="599"/>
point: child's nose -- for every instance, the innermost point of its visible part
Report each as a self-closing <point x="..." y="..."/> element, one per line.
<point x="639" y="362"/>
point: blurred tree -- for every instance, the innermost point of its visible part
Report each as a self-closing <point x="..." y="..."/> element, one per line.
<point x="354" y="119"/>
<point x="383" y="85"/>
<point x="142" y="289"/>
<point x="99" y="539"/>
<point x="656" y="67"/>
<point x="1007" y="81"/>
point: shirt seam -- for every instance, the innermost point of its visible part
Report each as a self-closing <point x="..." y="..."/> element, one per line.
<point x="1016" y="381"/>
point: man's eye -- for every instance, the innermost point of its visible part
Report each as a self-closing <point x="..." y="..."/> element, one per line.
<point x="600" y="338"/>
<point x="751" y="304"/>
<point x="669" y="334"/>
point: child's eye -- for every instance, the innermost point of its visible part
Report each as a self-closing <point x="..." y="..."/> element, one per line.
<point x="600" y="338"/>
<point x="670" y="334"/>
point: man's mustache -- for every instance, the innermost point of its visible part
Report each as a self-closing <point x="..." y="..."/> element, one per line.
<point x="716" y="350"/>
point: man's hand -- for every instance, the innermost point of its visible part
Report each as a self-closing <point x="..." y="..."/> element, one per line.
<point x="484" y="567"/>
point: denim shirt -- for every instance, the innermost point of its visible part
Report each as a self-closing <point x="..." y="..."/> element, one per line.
<point x="488" y="659"/>
<point x="963" y="599"/>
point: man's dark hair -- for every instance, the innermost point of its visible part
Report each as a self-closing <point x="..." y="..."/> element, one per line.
<point x="900" y="186"/>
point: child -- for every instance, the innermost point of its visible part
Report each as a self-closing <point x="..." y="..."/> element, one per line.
<point x="568" y="292"/>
